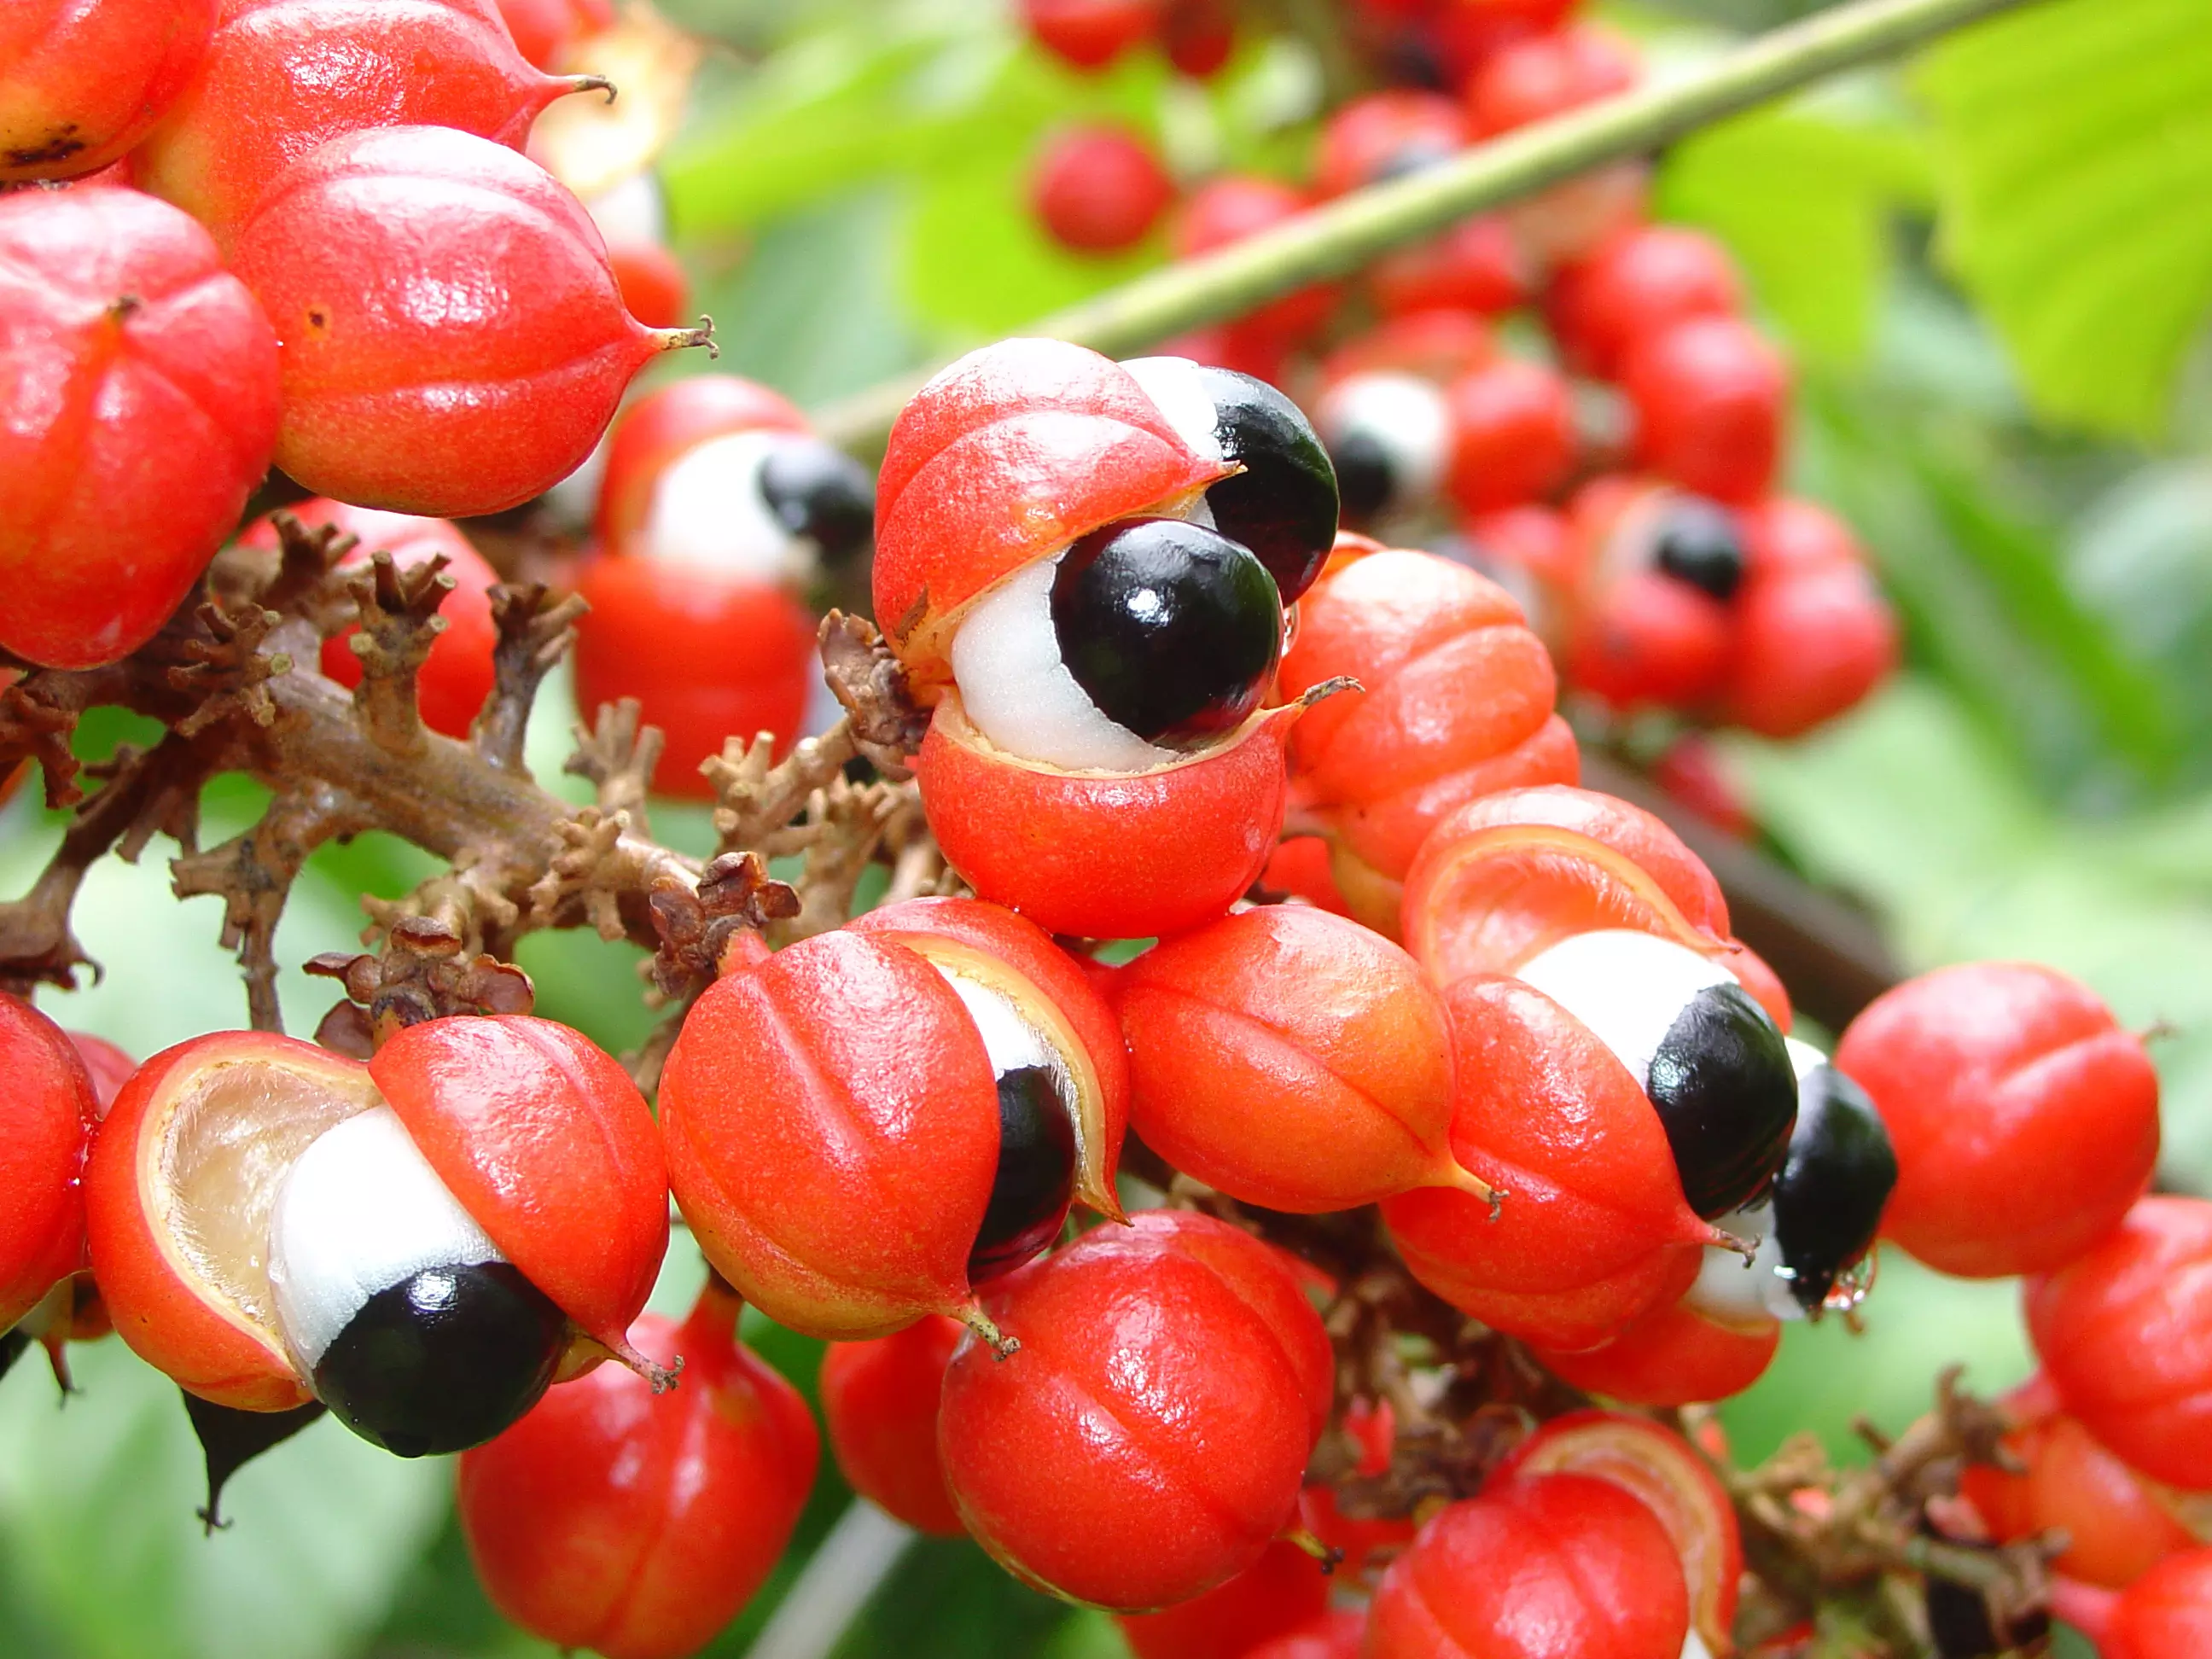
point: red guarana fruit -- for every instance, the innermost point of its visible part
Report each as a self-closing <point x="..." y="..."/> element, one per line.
<point x="391" y="399"/>
<point x="1199" y="36"/>
<point x="1386" y="135"/>
<point x="880" y="1406"/>
<point x="2165" y="1614"/>
<point x="543" y="30"/>
<point x="2116" y="1524"/>
<point x="1227" y="210"/>
<point x="1089" y="33"/>
<point x="1560" y="1566"/>
<point x="2025" y="1117"/>
<point x="283" y="76"/>
<point x="142" y="407"/>
<point x="1172" y="1380"/>
<point x="1099" y="189"/>
<point x="1814" y="634"/>
<point x="1333" y="1635"/>
<point x="1512" y="435"/>
<point x="637" y="1524"/>
<point x="81" y="81"/>
<point x="1283" y="1590"/>
<point x="1711" y="397"/>
<point x="46" y="1118"/>
<point x="1547" y="74"/>
<point x="1635" y="285"/>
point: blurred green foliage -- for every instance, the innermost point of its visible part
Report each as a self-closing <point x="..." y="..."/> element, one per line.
<point x="1993" y="273"/>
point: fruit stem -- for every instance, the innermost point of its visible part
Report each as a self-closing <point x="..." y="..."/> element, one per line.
<point x="675" y="339"/>
<point x="591" y="84"/>
<point x="1303" y="1538"/>
<point x="987" y="1330"/>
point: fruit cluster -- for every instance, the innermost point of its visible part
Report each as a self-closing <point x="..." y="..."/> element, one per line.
<point x="242" y="255"/>
<point x="1623" y="481"/>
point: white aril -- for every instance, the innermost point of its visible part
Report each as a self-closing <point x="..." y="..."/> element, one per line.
<point x="1403" y="417"/>
<point x="1177" y="390"/>
<point x="1627" y="988"/>
<point x="1018" y="691"/>
<point x="360" y="1211"/>
<point x="709" y="513"/>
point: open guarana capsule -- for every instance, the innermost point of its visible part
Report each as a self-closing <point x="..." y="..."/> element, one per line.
<point x="424" y="1243"/>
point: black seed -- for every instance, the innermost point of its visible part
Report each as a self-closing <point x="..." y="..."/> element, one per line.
<point x="1172" y="629"/>
<point x="1698" y="544"/>
<point x="1727" y="1095"/>
<point x="12" y="1343"/>
<point x="1282" y="505"/>
<point x="1838" y="1175"/>
<point x="444" y="1360"/>
<point x="816" y="491"/>
<point x="1037" y="1173"/>
<point x="230" y="1439"/>
<point x="1959" y="1620"/>
<point x="1366" y="476"/>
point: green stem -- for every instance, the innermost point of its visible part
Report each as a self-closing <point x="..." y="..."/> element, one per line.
<point x="1352" y="231"/>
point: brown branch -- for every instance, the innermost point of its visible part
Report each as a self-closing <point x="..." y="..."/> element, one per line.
<point x="536" y="630"/>
<point x="844" y="825"/>
<point x="619" y="754"/>
<point x="399" y="623"/>
<point x="35" y="728"/>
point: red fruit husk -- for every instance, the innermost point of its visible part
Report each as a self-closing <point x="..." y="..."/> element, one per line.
<point x="81" y="84"/>
<point x="879" y="1405"/>
<point x="46" y="1118"/>
<point x="144" y="405"/>
<point x="391" y="399"/>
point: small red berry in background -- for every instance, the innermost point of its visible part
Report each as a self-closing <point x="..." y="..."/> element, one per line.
<point x="2117" y="1528"/>
<point x="143" y="407"/>
<point x="1229" y="208"/>
<point x="1560" y="1566"/>
<point x="1331" y="1636"/>
<point x="2121" y="1333"/>
<point x="455" y="679"/>
<point x="1547" y="74"/>
<point x="1712" y="400"/>
<point x="1300" y="866"/>
<point x="879" y="1405"/>
<point x="46" y="1116"/>
<point x="1283" y="1590"/>
<point x="354" y="253"/>
<point x="1674" y="1356"/>
<point x="1172" y="1380"/>
<point x="80" y="83"/>
<point x="1636" y="285"/>
<point x="108" y="1066"/>
<point x="2025" y="1118"/>
<point x="1385" y="135"/>
<point x="1476" y="266"/>
<point x="1199" y="36"/>
<point x="2165" y="1614"/>
<point x="1814" y="634"/>
<point x="637" y="1524"/>
<point x="1100" y="189"/>
<point x="1512" y="435"/>
<point x="1089" y="33"/>
<point x="283" y="76"/>
<point x="544" y="29"/>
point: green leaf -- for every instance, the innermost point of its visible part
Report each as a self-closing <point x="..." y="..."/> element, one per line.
<point x="2073" y="144"/>
<point x="1803" y="196"/>
<point x="96" y="1501"/>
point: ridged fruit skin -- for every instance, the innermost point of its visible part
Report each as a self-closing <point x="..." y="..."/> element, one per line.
<point x="1455" y="700"/>
<point x="2025" y="1117"/>
<point x="539" y="1135"/>
<point x="2165" y="1612"/>
<point x="1149" y="1438"/>
<point x="832" y="1126"/>
<point x="546" y="1140"/>
<point x="47" y="1117"/>
<point x="1626" y="631"/>
<point x="1106" y="854"/>
<point x="1657" y="1465"/>
<point x="638" y="1524"/>
<point x="1290" y="1059"/>
<point x="81" y="84"/>
<point x="456" y="678"/>
<point x="1510" y="874"/>
<point x="1012" y="453"/>
<point x="879" y="1405"/>
<point x="142" y="386"/>
<point x="391" y="399"/>
<point x="2122" y="1334"/>
<point x="1560" y="1566"/>
<point x="657" y="429"/>
<point x="708" y="655"/>
<point x="1592" y="1231"/>
<point x="1047" y="983"/>
<point x="157" y="1312"/>
<point x="1672" y="1356"/>
<point x="2117" y="1528"/>
<point x="283" y="76"/>
<point x="1280" y="1592"/>
<point x="1814" y="633"/>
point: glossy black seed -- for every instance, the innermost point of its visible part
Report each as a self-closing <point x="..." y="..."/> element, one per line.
<point x="1282" y="505"/>
<point x="1366" y="476"/>
<point x="820" y="492"/>
<point x="1037" y="1173"/>
<point x="1172" y="629"/>
<point x="230" y="1439"/>
<point x="1838" y="1175"/>
<point x="1727" y="1095"/>
<point x="444" y="1360"/>
<point x="1698" y="544"/>
<point x="1959" y="1620"/>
